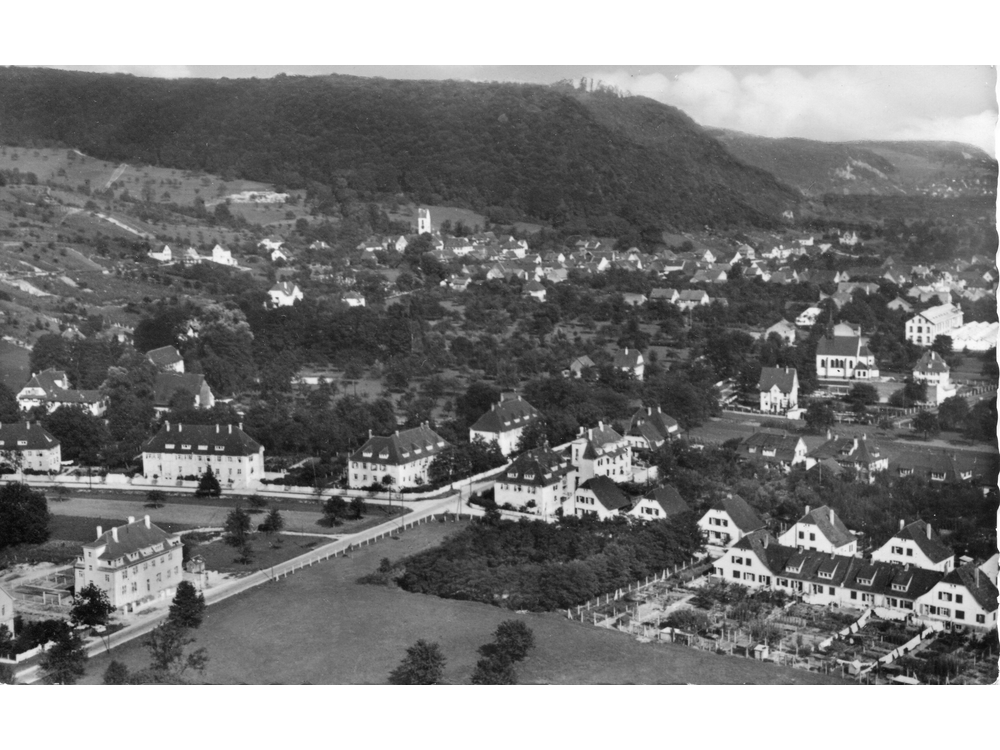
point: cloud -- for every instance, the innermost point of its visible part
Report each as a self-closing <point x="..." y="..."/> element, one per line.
<point x="833" y="103"/>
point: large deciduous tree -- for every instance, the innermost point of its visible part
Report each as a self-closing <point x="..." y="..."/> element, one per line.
<point x="422" y="665"/>
<point x="91" y="606"/>
<point x="237" y="527"/>
<point x="24" y="515"/>
<point x="188" y="607"/>
<point x="64" y="662"/>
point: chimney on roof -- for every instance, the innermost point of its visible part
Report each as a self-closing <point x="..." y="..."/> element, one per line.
<point x="167" y="424"/>
<point x="241" y="425"/>
<point x="977" y="578"/>
<point x="100" y="530"/>
<point x="766" y="539"/>
<point x="131" y="519"/>
<point x="180" y="427"/>
<point x="216" y="428"/>
<point x="146" y="520"/>
<point x="831" y="515"/>
<point x="902" y="523"/>
<point x="928" y="531"/>
<point x="230" y="429"/>
<point x="369" y="434"/>
<point x="114" y="533"/>
<point x="807" y="510"/>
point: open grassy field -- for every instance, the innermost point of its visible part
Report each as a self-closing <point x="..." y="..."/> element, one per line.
<point x="266" y="552"/>
<point x="319" y="626"/>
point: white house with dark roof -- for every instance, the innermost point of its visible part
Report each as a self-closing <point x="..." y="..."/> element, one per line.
<point x="537" y="481"/>
<point x="505" y="422"/>
<point x="863" y="455"/>
<point x="163" y="255"/>
<point x="786" y="331"/>
<point x="779" y="389"/>
<point x="50" y="389"/>
<point x="777" y="449"/>
<point x="271" y="243"/>
<point x="135" y="563"/>
<point x="578" y="365"/>
<point x="404" y="457"/>
<point x="284" y="294"/>
<point x="169" y="383"/>
<point x="630" y="360"/>
<point x="820" y="530"/>
<point x="185" y="450"/>
<point x="29" y="447"/>
<point x="600" y="452"/>
<point x="934" y="371"/>
<point x="917" y="544"/>
<point x="166" y="358"/>
<point x="691" y="298"/>
<point x="659" y="504"/>
<point x="845" y="358"/>
<point x="650" y="428"/>
<point x="600" y="496"/>
<point x="222" y="256"/>
<point x="354" y="299"/>
<point x="729" y="520"/>
<point x="964" y="598"/>
<point x="534" y="289"/>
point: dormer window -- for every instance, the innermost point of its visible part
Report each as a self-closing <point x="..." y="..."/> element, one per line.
<point x="203" y="447"/>
<point x="900" y="586"/>
<point x="367" y="454"/>
<point x="440" y="444"/>
<point x="169" y="446"/>
<point x="22" y="442"/>
<point x="220" y="447"/>
<point x="185" y="446"/>
<point x="865" y="581"/>
<point x="529" y="476"/>
<point x="383" y="455"/>
<point x="752" y="449"/>
<point x="828" y="574"/>
<point x="796" y="568"/>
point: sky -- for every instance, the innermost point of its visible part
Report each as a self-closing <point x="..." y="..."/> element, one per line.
<point x="822" y="102"/>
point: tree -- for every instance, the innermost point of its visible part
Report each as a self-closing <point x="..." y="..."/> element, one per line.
<point x="7" y="676"/>
<point x="953" y="412"/>
<point x="9" y="409"/>
<point x="513" y="639"/>
<point x="63" y="663"/>
<point x="358" y="507"/>
<point x="166" y="645"/>
<point x="24" y="515"/>
<point x="861" y="395"/>
<point x="208" y="485"/>
<point x="188" y="607"/>
<point x="942" y="345"/>
<point x="926" y="423"/>
<point x="333" y="510"/>
<point x="257" y="502"/>
<point x="81" y="435"/>
<point x="91" y="606"/>
<point x="155" y="498"/>
<point x="116" y="674"/>
<point x="274" y="522"/>
<point x="6" y="642"/>
<point x="819" y="416"/>
<point x="493" y="671"/>
<point x="423" y="665"/>
<point x="237" y="527"/>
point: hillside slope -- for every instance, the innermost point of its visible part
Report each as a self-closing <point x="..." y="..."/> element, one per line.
<point x="531" y="151"/>
<point x="934" y="168"/>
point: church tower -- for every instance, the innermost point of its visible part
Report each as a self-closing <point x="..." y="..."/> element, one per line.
<point x="423" y="220"/>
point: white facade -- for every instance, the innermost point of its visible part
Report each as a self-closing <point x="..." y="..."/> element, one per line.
<point x="951" y="602"/>
<point x="941" y="320"/>
<point x="179" y="451"/>
<point x="423" y="221"/>
<point x="164" y="255"/>
<point x="719" y="528"/>
<point x="905" y="549"/>
<point x="808" y="318"/>
<point x="284" y="294"/>
<point x="134" y="563"/>
<point x="222" y="256"/>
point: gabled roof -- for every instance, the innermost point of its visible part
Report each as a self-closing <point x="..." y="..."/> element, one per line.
<point x="581" y="362"/>
<point x="842" y="346"/>
<point x="164" y="356"/>
<point x="287" y="288"/>
<point x="740" y="513"/>
<point x="608" y="494"/>
<point x="652" y="425"/>
<point x="403" y="447"/>
<point x="34" y="436"/>
<point x="938" y="313"/>
<point x="202" y="439"/>
<point x="507" y="415"/>
<point x="783" y="377"/>
<point x="983" y="591"/>
<point x="538" y="467"/>
<point x="829" y="524"/>
<point x="931" y="545"/>
<point x="754" y="446"/>
<point x="168" y="383"/>
<point x="849" y="450"/>
<point x="599" y="439"/>
<point x="132" y="538"/>
<point x="669" y="499"/>
<point x="930" y="363"/>
<point x="628" y="358"/>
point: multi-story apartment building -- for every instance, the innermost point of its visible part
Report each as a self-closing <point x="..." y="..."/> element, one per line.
<point x="404" y="457"/>
<point x="184" y="450"/>
<point x="27" y="446"/>
<point x="935" y="321"/>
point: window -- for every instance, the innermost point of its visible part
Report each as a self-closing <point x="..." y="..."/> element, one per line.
<point x="981" y="619"/>
<point x="959" y="614"/>
<point x="831" y="592"/>
<point x="958" y="598"/>
<point x="854" y="594"/>
<point x="944" y="596"/>
<point x="737" y="560"/>
<point x="812" y="537"/>
<point x="802" y="535"/>
<point x="736" y="574"/>
<point x="185" y="446"/>
<point x="897" y="550"/>
<point x="749" y="576"/>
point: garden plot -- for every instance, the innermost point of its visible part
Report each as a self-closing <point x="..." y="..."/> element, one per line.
<point x="954" y="658"/>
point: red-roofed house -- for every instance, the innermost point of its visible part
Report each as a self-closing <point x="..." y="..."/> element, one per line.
<point x="135" y="563"/>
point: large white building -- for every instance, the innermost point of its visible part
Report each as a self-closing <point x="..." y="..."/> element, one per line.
<point x="404" y="457"/>
<point x="934" y="371"/>
<point x="779" y="389"/>
<point x="537" y="481"/>
<point x="50" y="389"/>
<point x="936" y="321"/>
<point x="135" y="563"/>
<point x="845" y="358"/>
<point x="186" y="450"/>
<point x="32" y="447"/>
<point x="505" y="422"/>
<point x="820" y="530"/>
<point x="600" y="452"/>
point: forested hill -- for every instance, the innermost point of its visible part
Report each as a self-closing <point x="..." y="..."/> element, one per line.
<point x="524" y="151"/>
<point x="907" y="168"/>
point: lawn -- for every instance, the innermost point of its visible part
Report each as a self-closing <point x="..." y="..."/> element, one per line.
<point x="267" y="551"/>
<point x="321" y="627"/>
